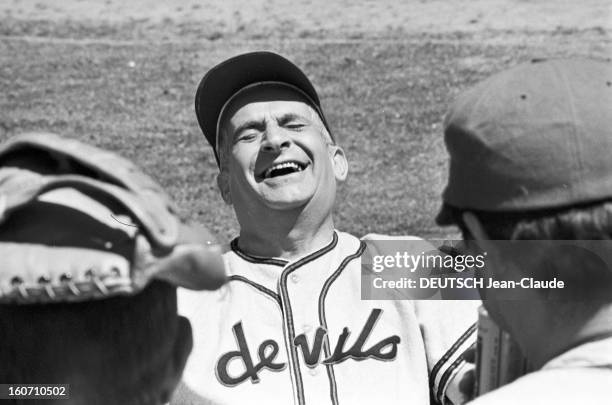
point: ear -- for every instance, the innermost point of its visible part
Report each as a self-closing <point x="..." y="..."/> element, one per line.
<point x="181" y="350"/>
<point x="183" y="344"/>
<point x="339" y="162"/>
<point x="224" y="188"/>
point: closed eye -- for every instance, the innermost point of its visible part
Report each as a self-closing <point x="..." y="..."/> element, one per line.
<point x="295" y="125"/>
<point x="294" y="122"/>
<point x="249" y="137"/>
<point x="248" y="131"/>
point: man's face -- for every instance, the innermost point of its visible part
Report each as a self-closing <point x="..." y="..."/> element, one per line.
<point x="278" y="154"/>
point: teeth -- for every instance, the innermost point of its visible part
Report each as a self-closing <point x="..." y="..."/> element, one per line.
<point x="285" y="165"/>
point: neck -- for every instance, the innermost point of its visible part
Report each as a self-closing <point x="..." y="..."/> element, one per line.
<point x="285" y="234"/>
<point x="554" y="336"/>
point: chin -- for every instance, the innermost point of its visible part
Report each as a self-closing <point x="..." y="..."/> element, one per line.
<point x="286" y="203"/>
<point x="288" y="197"/>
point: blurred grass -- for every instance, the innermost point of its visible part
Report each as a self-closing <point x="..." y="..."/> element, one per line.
<point x="385" y="101"/>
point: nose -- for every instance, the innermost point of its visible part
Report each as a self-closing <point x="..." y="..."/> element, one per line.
<point x="275" y="139"/>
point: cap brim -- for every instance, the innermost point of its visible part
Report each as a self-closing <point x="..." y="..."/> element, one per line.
<point x="227" y="78"/>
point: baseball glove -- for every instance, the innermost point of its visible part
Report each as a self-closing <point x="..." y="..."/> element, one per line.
<point x="80" y="223"/>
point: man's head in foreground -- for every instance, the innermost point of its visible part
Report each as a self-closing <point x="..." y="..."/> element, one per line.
<point x="124" y="349"/>
<point x="263" y="118"/>
<point x="87" y="283"/>
<point x="530" y="160"/>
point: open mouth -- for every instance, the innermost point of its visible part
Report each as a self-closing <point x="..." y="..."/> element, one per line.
<point x="282" y="169"/>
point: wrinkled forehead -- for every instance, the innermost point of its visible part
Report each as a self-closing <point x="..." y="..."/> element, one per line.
<point x="266" y="92"/>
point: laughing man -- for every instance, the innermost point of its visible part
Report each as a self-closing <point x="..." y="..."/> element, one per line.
<point x="290" y="326"/>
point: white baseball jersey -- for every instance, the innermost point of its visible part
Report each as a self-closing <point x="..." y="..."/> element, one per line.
<point x="298" y="332"/>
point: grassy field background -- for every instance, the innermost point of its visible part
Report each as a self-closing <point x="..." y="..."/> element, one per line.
<point x="122" y="75"/>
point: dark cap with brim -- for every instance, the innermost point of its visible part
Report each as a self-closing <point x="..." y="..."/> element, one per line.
<point x="534" y="137"/>
<point x="229" y="77"/>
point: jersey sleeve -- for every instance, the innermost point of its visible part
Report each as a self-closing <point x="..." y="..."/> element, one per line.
<point x="449" y="330"/>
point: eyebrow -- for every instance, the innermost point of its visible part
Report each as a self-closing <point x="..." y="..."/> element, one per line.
<point x="288" y="117"/>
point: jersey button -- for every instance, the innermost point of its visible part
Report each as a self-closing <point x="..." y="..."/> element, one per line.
<point x="306" y="328"/>
<point x="313" y="372"/>
<point x="295" y="278"/>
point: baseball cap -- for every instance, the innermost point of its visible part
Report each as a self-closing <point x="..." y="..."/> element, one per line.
<point x="223" y="81"/>
<point x="79" y="223"/>
<point x="537" y="136"/>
